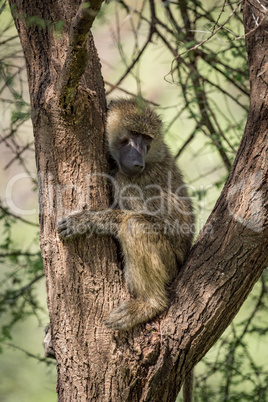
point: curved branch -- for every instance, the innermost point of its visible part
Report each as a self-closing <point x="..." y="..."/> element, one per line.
<point x="77" y="54"/>
<point x="231" y="251"/>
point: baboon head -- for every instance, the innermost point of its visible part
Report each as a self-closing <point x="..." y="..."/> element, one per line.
<point x="134" y="133"/>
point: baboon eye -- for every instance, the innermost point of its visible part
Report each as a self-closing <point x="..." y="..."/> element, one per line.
<point x="124" y="141"/>
<point x="147" y="137"/>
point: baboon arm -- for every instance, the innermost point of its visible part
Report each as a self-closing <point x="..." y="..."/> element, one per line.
<point x="88" y="221"/>
<point x="107" y="222"/>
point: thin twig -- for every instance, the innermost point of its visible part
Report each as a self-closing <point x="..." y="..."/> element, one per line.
<point x="187" y="142"/>
<point x="41" y="359"/>
<point x="137" y="58"/>
<point x="22" y="290"/>
<point x="7" y="212"/>
<point x="19" y="254"/>
<point x="213" y="33"/>
<point x="130" y="93"/>
<point x="18" y="155"/>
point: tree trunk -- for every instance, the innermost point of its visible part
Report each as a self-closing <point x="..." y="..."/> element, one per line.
<point x="84" y="278"/>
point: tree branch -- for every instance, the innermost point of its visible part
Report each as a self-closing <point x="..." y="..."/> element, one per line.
<point x="229" y="254"/>
<point x="137" y="58"/>
<point x="29" y="354"/>
<point x="6" y="211"/>
<point x="77" y="53"/>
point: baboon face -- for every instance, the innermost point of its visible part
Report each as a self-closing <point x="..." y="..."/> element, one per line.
<point x="132" y="149"/>
<point x="134" y="133"/>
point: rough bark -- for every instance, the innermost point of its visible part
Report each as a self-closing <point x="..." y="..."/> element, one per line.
<point x="84" y="279"/>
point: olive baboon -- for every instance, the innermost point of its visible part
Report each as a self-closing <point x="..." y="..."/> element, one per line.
<point x="153" y="218"/>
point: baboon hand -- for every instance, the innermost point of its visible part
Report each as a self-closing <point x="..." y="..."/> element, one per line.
<point x="72" y="226"/>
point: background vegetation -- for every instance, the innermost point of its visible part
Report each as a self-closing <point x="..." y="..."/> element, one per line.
<point x="189" y="59"/>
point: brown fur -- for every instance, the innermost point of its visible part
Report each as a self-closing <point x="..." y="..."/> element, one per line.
<point x="153" y="218"/>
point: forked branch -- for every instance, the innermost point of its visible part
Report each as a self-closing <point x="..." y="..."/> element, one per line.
<point x="77" y="53"/>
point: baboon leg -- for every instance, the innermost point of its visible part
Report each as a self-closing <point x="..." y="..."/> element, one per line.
<point x="150" y="265"/>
